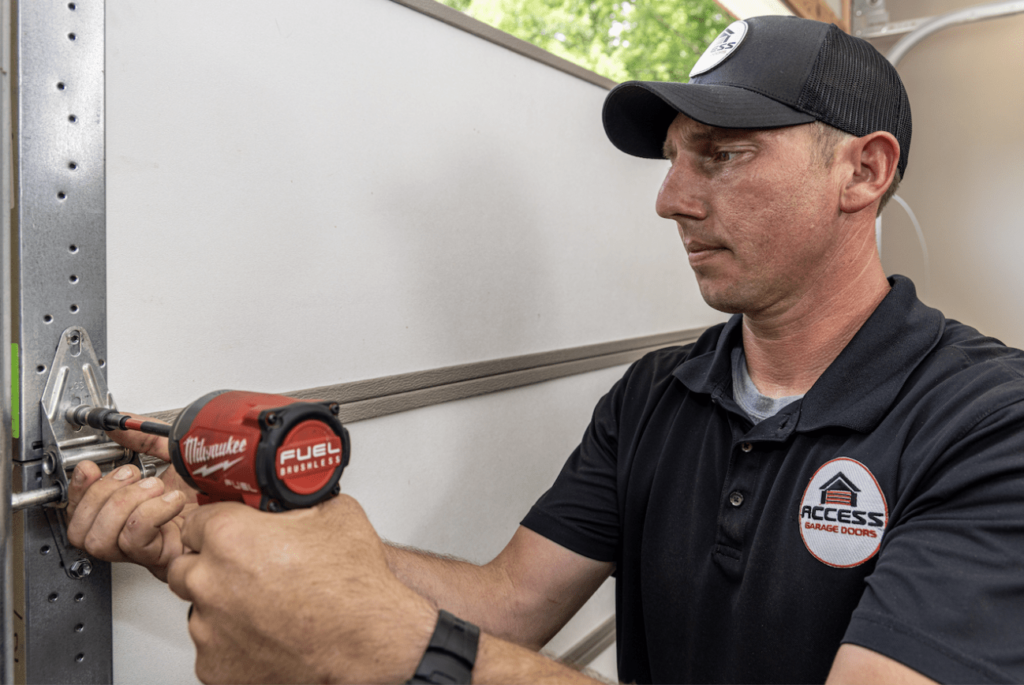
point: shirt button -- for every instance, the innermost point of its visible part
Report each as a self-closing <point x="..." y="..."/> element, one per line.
<point x="746" y="447"/>
<point x="736" y="498"/>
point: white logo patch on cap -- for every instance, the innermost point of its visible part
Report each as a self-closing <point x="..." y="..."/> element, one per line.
<point x="843" y="514"/>
<point x="720" y="47"/>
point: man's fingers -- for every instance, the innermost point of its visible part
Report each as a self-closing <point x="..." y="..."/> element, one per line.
<point x="204" y="520"/>
<point x="146" y="538"/>
<point x="101" y="540"/>
<point x="85" y="474"/>
<point x="153" y="445"/>
<point x="90" y="502"/>
<point x="178" y="572"/>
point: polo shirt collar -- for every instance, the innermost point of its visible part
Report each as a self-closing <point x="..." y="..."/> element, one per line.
<point x="709" y="371"/>
<point x="858" y="388"/>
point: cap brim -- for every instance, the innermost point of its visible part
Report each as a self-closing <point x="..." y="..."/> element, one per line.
<point x="637" y="114"/>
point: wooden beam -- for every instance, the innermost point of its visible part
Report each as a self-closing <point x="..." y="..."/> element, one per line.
<point x="725" y="10"/>
<point x="820" y="11"/>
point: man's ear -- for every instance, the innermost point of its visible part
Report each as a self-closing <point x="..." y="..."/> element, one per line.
<point x="870" y="164"/>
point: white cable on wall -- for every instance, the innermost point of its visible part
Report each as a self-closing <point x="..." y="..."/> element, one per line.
<point x="878" y="234"/>
<point x="920" y="239"/>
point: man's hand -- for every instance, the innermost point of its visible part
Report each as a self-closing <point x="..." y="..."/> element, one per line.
<point x="301" y="596"/>
<point x="122" y="518"/>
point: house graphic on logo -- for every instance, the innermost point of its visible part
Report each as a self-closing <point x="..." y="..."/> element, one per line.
<point x="839" y="490"/>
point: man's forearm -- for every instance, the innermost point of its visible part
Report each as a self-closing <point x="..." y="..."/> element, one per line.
<point x="503" y="662"/>
<point x="524" y="595"/>
<point x="481" y="595"/>
<point x="497" y="661"/>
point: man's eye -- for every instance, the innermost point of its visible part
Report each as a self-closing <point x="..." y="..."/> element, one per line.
<point x="724" y="156"/>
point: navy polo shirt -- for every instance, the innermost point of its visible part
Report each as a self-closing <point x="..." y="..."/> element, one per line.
<point x="884" y="509"/>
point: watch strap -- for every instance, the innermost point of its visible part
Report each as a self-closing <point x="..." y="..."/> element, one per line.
<point x="451" y="653"/>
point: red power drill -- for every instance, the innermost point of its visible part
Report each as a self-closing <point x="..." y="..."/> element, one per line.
<point x="270" y="451"/>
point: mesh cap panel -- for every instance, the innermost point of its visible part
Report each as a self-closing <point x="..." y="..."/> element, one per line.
<point x="853" y="88"/>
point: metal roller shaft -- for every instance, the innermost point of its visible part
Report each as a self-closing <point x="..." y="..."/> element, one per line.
<point x="34" y="498"/>
<point x="103" y="453"/>
<point x="100" y="454"/>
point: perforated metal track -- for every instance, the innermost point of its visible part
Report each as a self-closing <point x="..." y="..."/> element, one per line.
<point x="62" y="625"/>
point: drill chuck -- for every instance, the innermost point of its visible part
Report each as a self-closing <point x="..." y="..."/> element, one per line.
<point x="110" y="420"/>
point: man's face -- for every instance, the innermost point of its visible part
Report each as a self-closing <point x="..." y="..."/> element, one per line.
<point x="757" y="211"/>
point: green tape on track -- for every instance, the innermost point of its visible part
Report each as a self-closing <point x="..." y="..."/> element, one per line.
<point x="15" y="395"/>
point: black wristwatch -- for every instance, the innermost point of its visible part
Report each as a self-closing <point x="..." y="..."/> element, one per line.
<point x="451" y="653"/>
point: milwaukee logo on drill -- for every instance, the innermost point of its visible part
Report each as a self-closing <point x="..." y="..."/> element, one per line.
<point x="196" y="451"/>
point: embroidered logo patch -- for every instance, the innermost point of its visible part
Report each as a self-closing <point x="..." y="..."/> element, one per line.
<point x="720" y="47"/>
<point x="843" y="514"/>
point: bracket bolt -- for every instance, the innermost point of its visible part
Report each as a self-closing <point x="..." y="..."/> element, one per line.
<point x="271" y="419"/>
<point x="49" y="462"/>
<point x="81" y="568"/>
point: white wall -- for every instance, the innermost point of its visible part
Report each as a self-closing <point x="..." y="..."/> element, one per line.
<point x="350" y="190"/>
<point x="313" y="192"/>
<point x="965" y="175"/>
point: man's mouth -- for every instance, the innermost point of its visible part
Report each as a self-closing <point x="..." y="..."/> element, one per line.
<point x="698" y="251"/>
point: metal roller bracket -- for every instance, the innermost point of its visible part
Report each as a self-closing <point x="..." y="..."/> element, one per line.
<point x="75" y="379"/>
<point x="871" y="20"/>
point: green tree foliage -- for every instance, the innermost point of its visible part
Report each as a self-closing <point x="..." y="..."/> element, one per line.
<point x="649" y="40"/>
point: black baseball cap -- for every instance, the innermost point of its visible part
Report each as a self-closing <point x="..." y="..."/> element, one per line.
<point x="768" y="72"/>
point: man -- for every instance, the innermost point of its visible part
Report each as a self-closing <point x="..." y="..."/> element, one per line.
<point x="828" y="486"/>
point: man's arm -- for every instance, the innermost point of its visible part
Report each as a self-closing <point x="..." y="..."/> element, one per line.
<point x="856" y="665"/>
<point x="525" y="595"/>
<point x="503" y="662"/>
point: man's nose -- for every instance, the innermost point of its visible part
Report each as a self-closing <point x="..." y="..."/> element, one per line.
<point x="680" y="194"/>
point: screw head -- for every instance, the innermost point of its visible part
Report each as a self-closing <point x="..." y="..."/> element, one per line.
<point x="335" y="408"/>
<point x="274" y="506"/>
<point x="271" y="419"/>
<point x="81" y="568"/>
